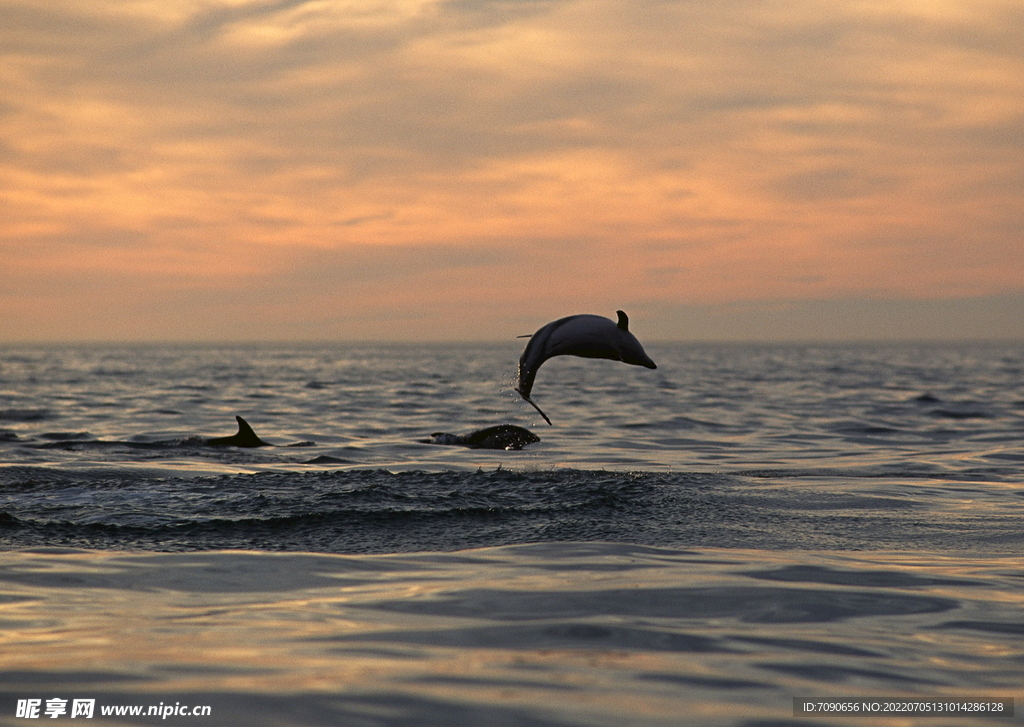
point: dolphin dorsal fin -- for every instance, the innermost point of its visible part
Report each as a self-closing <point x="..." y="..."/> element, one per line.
<point x="246" y="437"/>
<point x="623" y="320"/>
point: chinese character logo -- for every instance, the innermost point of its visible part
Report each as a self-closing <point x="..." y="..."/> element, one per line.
<point x="83" y="708"/>
<point x="28" y="708"/>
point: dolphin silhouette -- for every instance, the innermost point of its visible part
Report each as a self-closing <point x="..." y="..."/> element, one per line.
<point x="583" y="335"/>
<point x="245" y="437"/>
<point x="501" y="436"/>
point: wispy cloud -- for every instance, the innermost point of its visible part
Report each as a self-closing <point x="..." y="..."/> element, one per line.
<point x="575" y="153"/>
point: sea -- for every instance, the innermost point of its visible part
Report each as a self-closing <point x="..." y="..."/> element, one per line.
<point x="749" y="535"/>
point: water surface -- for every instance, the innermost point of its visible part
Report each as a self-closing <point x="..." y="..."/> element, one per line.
<point x="698" y="544"/>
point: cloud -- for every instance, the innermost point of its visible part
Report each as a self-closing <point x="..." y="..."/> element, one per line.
<point x="670" y="153"/>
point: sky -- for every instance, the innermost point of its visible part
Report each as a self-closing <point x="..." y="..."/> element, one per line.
<point x="442" y="170"/>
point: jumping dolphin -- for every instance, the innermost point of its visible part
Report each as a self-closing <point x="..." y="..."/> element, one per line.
<point x="246" y="437"/>
<point x="502" y="436"/>
<point x="584" y="335"/>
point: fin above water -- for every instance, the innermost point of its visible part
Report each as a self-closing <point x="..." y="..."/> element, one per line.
<point x="245" y="437"/>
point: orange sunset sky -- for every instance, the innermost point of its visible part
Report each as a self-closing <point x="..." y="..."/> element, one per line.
<point x="471" y="169"/>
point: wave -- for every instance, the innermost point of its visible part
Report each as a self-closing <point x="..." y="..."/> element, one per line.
<point x="379" y="510"/>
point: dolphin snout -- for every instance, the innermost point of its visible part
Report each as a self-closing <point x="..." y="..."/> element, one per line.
<point x="637" y="358"/>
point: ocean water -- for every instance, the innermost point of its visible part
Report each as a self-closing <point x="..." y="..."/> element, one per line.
<point x="701" y="544"/>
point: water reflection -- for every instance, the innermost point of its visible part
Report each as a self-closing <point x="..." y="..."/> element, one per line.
<point x="547" y="634"/>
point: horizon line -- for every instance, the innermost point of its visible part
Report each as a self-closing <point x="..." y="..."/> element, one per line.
<point x="1008" y="340"/>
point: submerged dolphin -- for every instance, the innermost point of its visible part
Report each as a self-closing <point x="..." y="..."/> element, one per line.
<point x="246" y="437"/>
<point x="584" y="335"/>
<point x="502" y="436"/>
